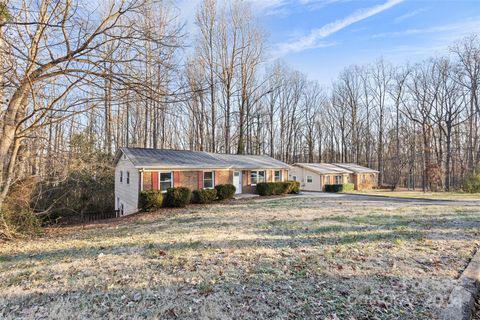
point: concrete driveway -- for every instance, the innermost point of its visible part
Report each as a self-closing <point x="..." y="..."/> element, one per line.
<point x="385" y="199"/>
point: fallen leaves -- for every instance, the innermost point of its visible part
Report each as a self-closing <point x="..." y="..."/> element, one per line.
<point x="247" y="261"/>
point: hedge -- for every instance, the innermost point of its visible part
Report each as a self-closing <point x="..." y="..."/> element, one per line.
<point x="271" y="188"/>
<point x="177" y="197"/>
<point x="339" y="187"/>
<point x="204" y="195"/>
<point x="225" y="191"/>
<point x="150" y="199"/>
<point x="277" y="188"/>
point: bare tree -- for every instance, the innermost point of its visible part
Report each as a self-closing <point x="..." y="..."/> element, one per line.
<point x="59" y="53"/>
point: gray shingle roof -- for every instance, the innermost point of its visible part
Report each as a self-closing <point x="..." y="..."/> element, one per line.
<point x="355" y="167"/>
<point x="323" y="168"/>
<point x="186" y="159"/>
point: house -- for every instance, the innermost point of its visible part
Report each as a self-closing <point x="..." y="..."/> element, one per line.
<point x="138" y="169"/>
<point x="314" y="176"/>
<point x="362" y="177"/>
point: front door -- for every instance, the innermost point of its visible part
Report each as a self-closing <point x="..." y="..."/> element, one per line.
<point x="237" y="181"/>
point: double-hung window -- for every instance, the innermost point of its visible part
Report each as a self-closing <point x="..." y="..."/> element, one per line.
<point x="257" y="177"/>
<point x="278" y="175"/>
<point x="121" y="176"/>
<point x="338" y="179"/>
<point x="208" y="179"/>
<point x="309" y="179"/>
<point x="128" y="177"/>
<point x="165" y="181"/>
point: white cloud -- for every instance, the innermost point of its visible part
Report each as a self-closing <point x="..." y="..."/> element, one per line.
<point x="451" y="30"/>
<point x="312" y="40"/>
<point x="435" y="41"/>
<point x="410" y="14"/>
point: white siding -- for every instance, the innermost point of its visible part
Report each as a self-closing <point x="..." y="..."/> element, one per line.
<point x="126" y="194"/>
<point x="301" y="174"/>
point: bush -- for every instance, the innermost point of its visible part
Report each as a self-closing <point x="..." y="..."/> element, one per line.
<point x="89" y="190"/>
<point x="272" y="188"/>
<point x="150" y="199"/>
<point x="225" y="191"/>
<point x="177" y="197"/>
<point x="471" y="184"/>
<point x="204" y="195"/>
<point x="17" y="223"/>
<point x="277" y="188"/>
<point x="339" y="187"/>
<point x="293" y="186"/>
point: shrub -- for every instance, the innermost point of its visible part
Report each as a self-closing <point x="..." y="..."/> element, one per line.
<point x="272" y="188"/>
<point x="339" y="187"/>
<point x="225" y="191"/>
<point x="177" y="197"/>
<point x="293" y="186"/>
<point x="471" y="184"/>
<point x="150" y="199"/>
<point x="88" y="190"/>
<point x="204" y="195"/>
<point x="277" y="188"/>
<point x="19" y="222"/>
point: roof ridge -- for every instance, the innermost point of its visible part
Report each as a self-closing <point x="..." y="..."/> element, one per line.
<point x="154" y="157"/>
<point x="199" y="151"/>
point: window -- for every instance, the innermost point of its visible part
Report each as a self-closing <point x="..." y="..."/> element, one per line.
<point x="165" y="181"/>
<point x="338" y="179"/>
<point x="261" y="176"/>
<point x="363" y="178"/>
<point x="294" y="178"/>
<point x="128" y="177"/>
<point x="309" y="179"/>
<point x="278" y="175"/>
<point x="208" y="180"/>
<point x="257" y="177"/>
<point x="121" y="176"/>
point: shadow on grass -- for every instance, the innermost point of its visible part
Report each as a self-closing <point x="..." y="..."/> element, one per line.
<point x="268" y="291"/>
<point x="298" y="238"/>
<point x="304" y="232"/>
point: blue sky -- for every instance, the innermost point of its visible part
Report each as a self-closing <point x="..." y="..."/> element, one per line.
<point x="321" y="37"/>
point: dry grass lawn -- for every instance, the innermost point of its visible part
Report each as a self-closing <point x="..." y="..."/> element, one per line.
<point x="460" y="196"/>
<point x="295" y="257"/>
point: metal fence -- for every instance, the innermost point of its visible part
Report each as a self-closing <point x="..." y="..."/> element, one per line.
<point x="87" y="217"/>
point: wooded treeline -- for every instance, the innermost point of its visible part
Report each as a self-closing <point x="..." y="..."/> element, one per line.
<point x="78" y="81"/>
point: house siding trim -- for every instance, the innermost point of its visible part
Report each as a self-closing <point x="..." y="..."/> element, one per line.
<point x="126" y="194"/>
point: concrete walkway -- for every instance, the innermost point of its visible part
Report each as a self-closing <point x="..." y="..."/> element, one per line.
<point x="244" y="196"/>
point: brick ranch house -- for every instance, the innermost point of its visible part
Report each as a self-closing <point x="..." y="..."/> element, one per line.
<point x="314" y="176"/>
<point x="138" y="169"/>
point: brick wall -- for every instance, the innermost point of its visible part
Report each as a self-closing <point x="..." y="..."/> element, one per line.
<point x="187" y="179"/>
<point x="223" y="177"/>
<point x="365" y="181"/>
<point x="270" y="175"/>
<point x="246" y="187"/>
